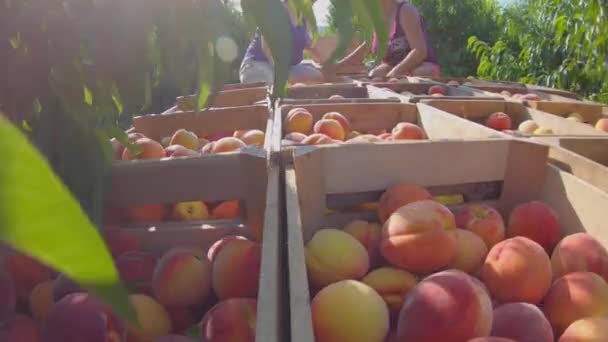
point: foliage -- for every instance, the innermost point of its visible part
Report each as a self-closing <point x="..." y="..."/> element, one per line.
<point x="562" y="44"/>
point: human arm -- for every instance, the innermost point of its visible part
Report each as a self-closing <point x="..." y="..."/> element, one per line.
<point x="411" y="25"/>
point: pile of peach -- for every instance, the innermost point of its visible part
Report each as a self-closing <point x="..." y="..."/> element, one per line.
<point x="184" y="143"/>
<point x="428" y="274"/>
<point x="334" y="128"/>
<point x="182" y="211"/>
<point x="521" y="97"/>
<point x="186" y="291"/>
<point x="502" y="122"/>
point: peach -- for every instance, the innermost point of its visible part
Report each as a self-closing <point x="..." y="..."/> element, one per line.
<point x="352" y="135"/>
<point x="41" y="300"/>
<point x="134" y="136"/>
<point x="21" y="329"/>
<point x="236" y="269"/>
<point x="399" y="195"/>
<point x="330" y="127"/>
<point x="376" y="132"/>
<point x="471" y="252"/>
<point x="120" y="242"/>
<point x="368" y="234"/>
<point x="208" y="148"/>
<point x="298" y="120"/>
<point x="233" y="319"/>
<point x="407" y="131"/>
<point x="530" y="97"/>
<point x="576" y="117"/>
<point x="146" y="213"/>
<point x="506" y="93"/>
<point x="528" y="126"/>
<point x="63" y="286"/>
<point x="386" y="136"/>
<point x="181" y="278"/>
<point x="543" y="131"/>
<point x="591" y="329"/>
<point x="295" y="137"/>
<point x="202" y="142"/>
<point x="438" y="95"/>
<point x="484" y="221"/>
<point x="226" y="210"/>
<point x="190" y="211"/>
<point x="185" y="138"/>
<point x="81" y="317"/>
<point x="446" y="306"/>
<point x="137" y="269"/>
<point x="437" y="89"/>
<point x="150" y="149"/>
<point x="579" y="252"/>
<point x="364" y="139"/>
<point x="392" y="284"/>
<point x="517" y="270"/>
<point x="340" y="118"/>
<point x="228" y="144"/>
<point x="179" y="151"/>
<point x="153" y="319"/>
<point x="536" y="221"/>
<point x="350" y="311"/>
<point x="117" y="149"/>
<point x="522" y="322"/>
<point x="491" y="339"/>
<point x="219" y="244"/>
<point x="317" y="139"/>
<point x="181" y="319"/>
<point x="217" y="136"/>
<point x="254" y="137"/>
<point x="26" y="272"/>
<point x="602" y="125"/>
<point x="575" y="296"/>
<point x="8" y="296"/>
<point x="499" y="121"/>
<point x="239" y="133"/>
<point x="325" y="265"/>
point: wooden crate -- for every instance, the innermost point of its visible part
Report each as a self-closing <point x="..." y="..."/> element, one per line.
<point x="415" y="92"/>
<point x="466" y="81"/>
<point x="590" y="112"/>
<point x="365" y="117"/>
<point x="553" y="91"/>
<point x="586" y="158"/>
<point x="234" y="96"/>
<point x="478" y="111"/>
<point x="351" y="93"/>
<point x="518" y="170"/>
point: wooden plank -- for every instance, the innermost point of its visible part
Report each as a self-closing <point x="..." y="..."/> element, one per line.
<point x="293" y="102"/>
<point x="590" y="112"/>
<point x="310" y="187"/>
<point x="440" y="125"/>
<point x="230" y="97"/>
<point x="324" y="91"/>
<point x="553" y="91"/>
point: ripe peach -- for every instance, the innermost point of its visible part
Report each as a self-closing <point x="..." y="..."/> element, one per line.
<point x="392" y="284"/>
<point x="239" y="133"/>
<point x="399" y="195"/>
<point x="325" y="266"/>
<point x="537" y="221"/>
<point x="575" y="296"/>
<point x="63" y="286"/>
<point x="506" y="93"/>
<point x="41" y="300"/>
<point x="543" y="131"/>
<point x="364" y="139"/>
<point x="446" y="306"/>
<point x="576" y="117"/>
<point x="484" y="221"/>
<point x="349" y="311"/>
<point x="528" y="126"/>
<point x="190" y="211"/>
<point x="134" y="136"/>
<point x="21" y="329"/>
<point x="226" y="210"/>
<point x="208" y="148"/>
<point x="150" y="149"/>
<point x="8" y="296"/>
<point x="499" y="121"/>
<point x="181" y="278"/>
<point x="437" y="89"/>
<point x="471" y="252"/>
<point x="419" y="237"/>
<point x="217" y="136"/>
<point x="26" y="272"/>
<point x="236" y="270"/>
<point x="591" y="329"/>
<point x="119" y="242"/>
<point x="146" y="213"/>
<point x="368" y="234"/>
<point x="579" y="252"/>
<point x="386" y="136"/>
<point x="352" y="135"/>
<point x="407" y="131"/>
<point x="340" y="118"/>
<point x="202" y="142"/>
<point x="254" y="137"/>
<point x="228" y="144"/>
<point x="299" y="120"/>
<point x="317" y="139"/>
<point x="153" y="319"/>
<point x="438" y="95"/>
<point x="117" y="149"/>
<point x="233" y="319"/>
<point x="602" y="125"/>
<point x="181" y="319"/>
<point x="491" y="339"/>
<point x="185" y="138"/>
<point x="179" y="151"/>
<point x="219" y="244"/>
<point x="517" y="270"/>
<point x="81" y="317"/>
<point x="522" y="322"/>
<point x="330" y="127"/>
<point x="295" y="137"/>
<point x="137" y="269"/>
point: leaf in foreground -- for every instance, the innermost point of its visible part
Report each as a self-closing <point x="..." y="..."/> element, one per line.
<point x="39" y="216"/>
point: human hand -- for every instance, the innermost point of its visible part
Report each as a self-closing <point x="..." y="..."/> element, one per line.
<point x="380" y="71"/>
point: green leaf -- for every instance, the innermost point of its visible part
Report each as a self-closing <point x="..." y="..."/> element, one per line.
<point x="374" y="16"/>
<point x="88" y="96"/>
<point x="116" y="98"/>
<point x="304" y="10"/>
<point x="40" y="217"/>
<point x="343" y="17"/>
<point x="206" y="59"/>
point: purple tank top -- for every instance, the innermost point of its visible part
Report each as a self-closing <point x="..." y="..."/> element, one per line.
<point x="299" y="36"/>
<point x="399" y="47"/>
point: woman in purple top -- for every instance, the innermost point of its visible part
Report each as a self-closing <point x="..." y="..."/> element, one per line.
<point x="409" y="52"/>
<point x="257" y="65"/>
